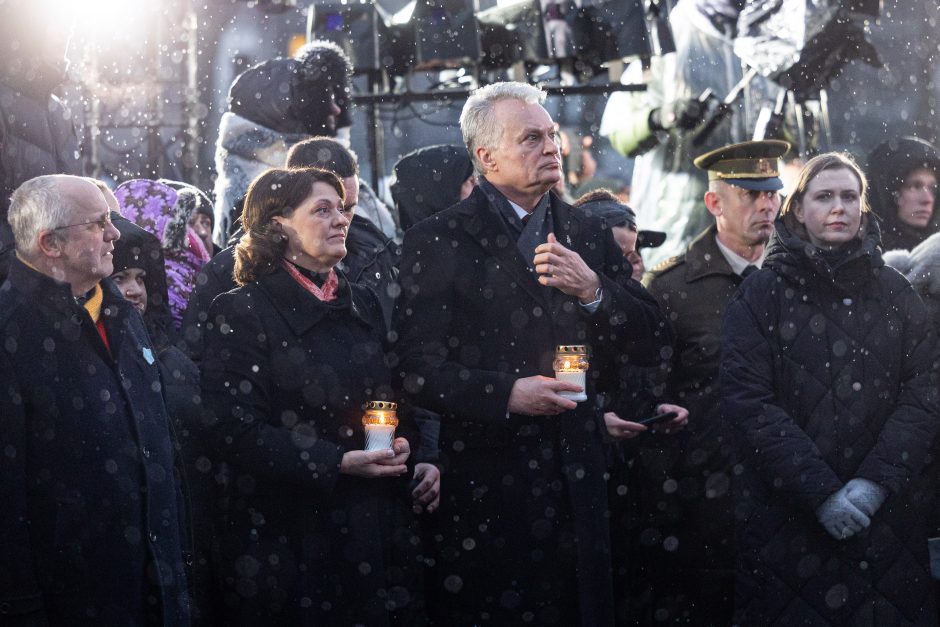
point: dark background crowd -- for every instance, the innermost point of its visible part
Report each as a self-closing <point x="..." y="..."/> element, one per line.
<point x="193" y="325"/>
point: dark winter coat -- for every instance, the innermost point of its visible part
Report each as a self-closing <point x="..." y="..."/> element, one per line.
<point x="92" y="507"/>
<point x="524" y="498"/>
<point x="371" y="260"/>
<point x="693" y="503"/>
<point x="828" y="374"/>
<point x="286" y="377"/>
<point x="674" y="498"/>
<point x="138" y="248"/>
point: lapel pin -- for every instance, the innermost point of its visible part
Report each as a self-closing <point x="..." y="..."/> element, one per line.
<point x="148" y="355"/>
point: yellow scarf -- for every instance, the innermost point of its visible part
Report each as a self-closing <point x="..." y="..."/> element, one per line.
<point x="93" y="304"/>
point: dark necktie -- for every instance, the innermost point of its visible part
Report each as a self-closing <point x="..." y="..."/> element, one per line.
<point x="525" y="219"/>
<point x="747" y="271"/>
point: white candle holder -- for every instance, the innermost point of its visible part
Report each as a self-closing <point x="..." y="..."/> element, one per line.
<point x="380" y="420"/>
<point x="571" y="365"/>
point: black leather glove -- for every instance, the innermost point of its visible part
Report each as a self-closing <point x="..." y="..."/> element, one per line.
<point x="683" y="114"/>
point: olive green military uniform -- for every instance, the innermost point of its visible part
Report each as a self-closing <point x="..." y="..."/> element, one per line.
<point x="693" y="564"/>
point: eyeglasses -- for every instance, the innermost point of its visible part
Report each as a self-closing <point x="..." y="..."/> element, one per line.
<point x="102" y="223"/>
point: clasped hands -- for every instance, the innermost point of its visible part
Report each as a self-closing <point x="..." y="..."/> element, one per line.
<point x="850" y="510"/>
<point x="390" y="462"/>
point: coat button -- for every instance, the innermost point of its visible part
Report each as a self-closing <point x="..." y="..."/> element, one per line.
<point x="153" y="536"/>
<point x="146" y="452"/>
<point x="4" y="608"/>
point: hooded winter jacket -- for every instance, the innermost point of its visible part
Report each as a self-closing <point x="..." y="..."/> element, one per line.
<point x="428" y="180"/>
<point x="828" y="375"/>
<point x="163" y="208"/>
<point x="888" y="165"/>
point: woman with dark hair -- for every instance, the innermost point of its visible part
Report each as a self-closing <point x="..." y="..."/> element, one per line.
<point x="827" y="385"/>
<point x="903" y="176"/>
<point x="316" y="531"/>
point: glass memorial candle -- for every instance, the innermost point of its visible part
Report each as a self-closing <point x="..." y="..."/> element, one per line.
<point x="571" y="365"/>
<point x="380" y="420"/>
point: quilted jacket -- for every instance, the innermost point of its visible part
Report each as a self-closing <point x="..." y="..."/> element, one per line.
<point x="827" y="374"/>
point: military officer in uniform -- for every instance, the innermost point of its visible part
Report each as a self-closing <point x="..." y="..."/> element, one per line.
<point x="697" y="564"/>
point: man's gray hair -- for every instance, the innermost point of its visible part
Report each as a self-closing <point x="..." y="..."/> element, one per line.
<point x="36" y="205"/>
<point x="477" y="122"/>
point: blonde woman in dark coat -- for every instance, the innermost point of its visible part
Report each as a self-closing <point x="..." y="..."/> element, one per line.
<point x="829" y="386"/>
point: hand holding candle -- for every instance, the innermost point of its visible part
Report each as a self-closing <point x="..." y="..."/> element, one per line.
<point x="571" y="365"/>
<point x="380" y="420"/>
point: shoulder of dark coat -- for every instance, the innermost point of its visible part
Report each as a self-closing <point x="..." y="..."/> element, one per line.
<point x="443" y="221"/>
<point x="236" y="300"/>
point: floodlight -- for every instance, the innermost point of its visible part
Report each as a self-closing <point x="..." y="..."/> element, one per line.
<point x="445" y="33"/>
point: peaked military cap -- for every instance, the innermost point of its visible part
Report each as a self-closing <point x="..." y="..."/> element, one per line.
<point x="750" y="165"/>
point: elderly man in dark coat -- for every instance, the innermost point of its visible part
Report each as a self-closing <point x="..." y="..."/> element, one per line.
<point x="490" y="287"/>
<point x="693" y="570"/>
<point x="91" y="531"/>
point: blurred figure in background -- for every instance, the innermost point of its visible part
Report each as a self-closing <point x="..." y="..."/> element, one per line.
<point x="621" y="219"/>
<point x="429" y="180"/>
<point x="202" y="222"/>
<point x="657" y="125"/>
<point x="903" y="174"/>
<point x="37" y="135"/>
<point x="309" y="95"/>
<point x="165" y="209"/>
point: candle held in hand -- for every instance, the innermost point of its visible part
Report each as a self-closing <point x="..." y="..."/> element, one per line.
<point x="380" y="420"/>
<point x="571" y="365"/>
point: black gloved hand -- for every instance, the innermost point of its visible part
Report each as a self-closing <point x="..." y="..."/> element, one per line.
<point x="683" y="114"/>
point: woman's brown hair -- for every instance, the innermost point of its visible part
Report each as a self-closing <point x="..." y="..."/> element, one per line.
<point x="275" y="192"/>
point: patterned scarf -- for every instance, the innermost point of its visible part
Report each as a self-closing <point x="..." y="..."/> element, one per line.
<point x="326" y="293"/>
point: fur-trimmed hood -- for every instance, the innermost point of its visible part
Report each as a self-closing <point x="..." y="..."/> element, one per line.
<point x="244" y="150"/>
<point x="921" y="265"/>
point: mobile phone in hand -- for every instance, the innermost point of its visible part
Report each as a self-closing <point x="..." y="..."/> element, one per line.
<point x="663" y="417"/>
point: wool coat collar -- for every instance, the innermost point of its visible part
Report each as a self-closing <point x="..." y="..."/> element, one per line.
<point x="53" y="299"/>
<point x="703" y="258"/>
<point x="792" y="256"/>
<point x="483" y="221"/>
<point x="301" y="309"/>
